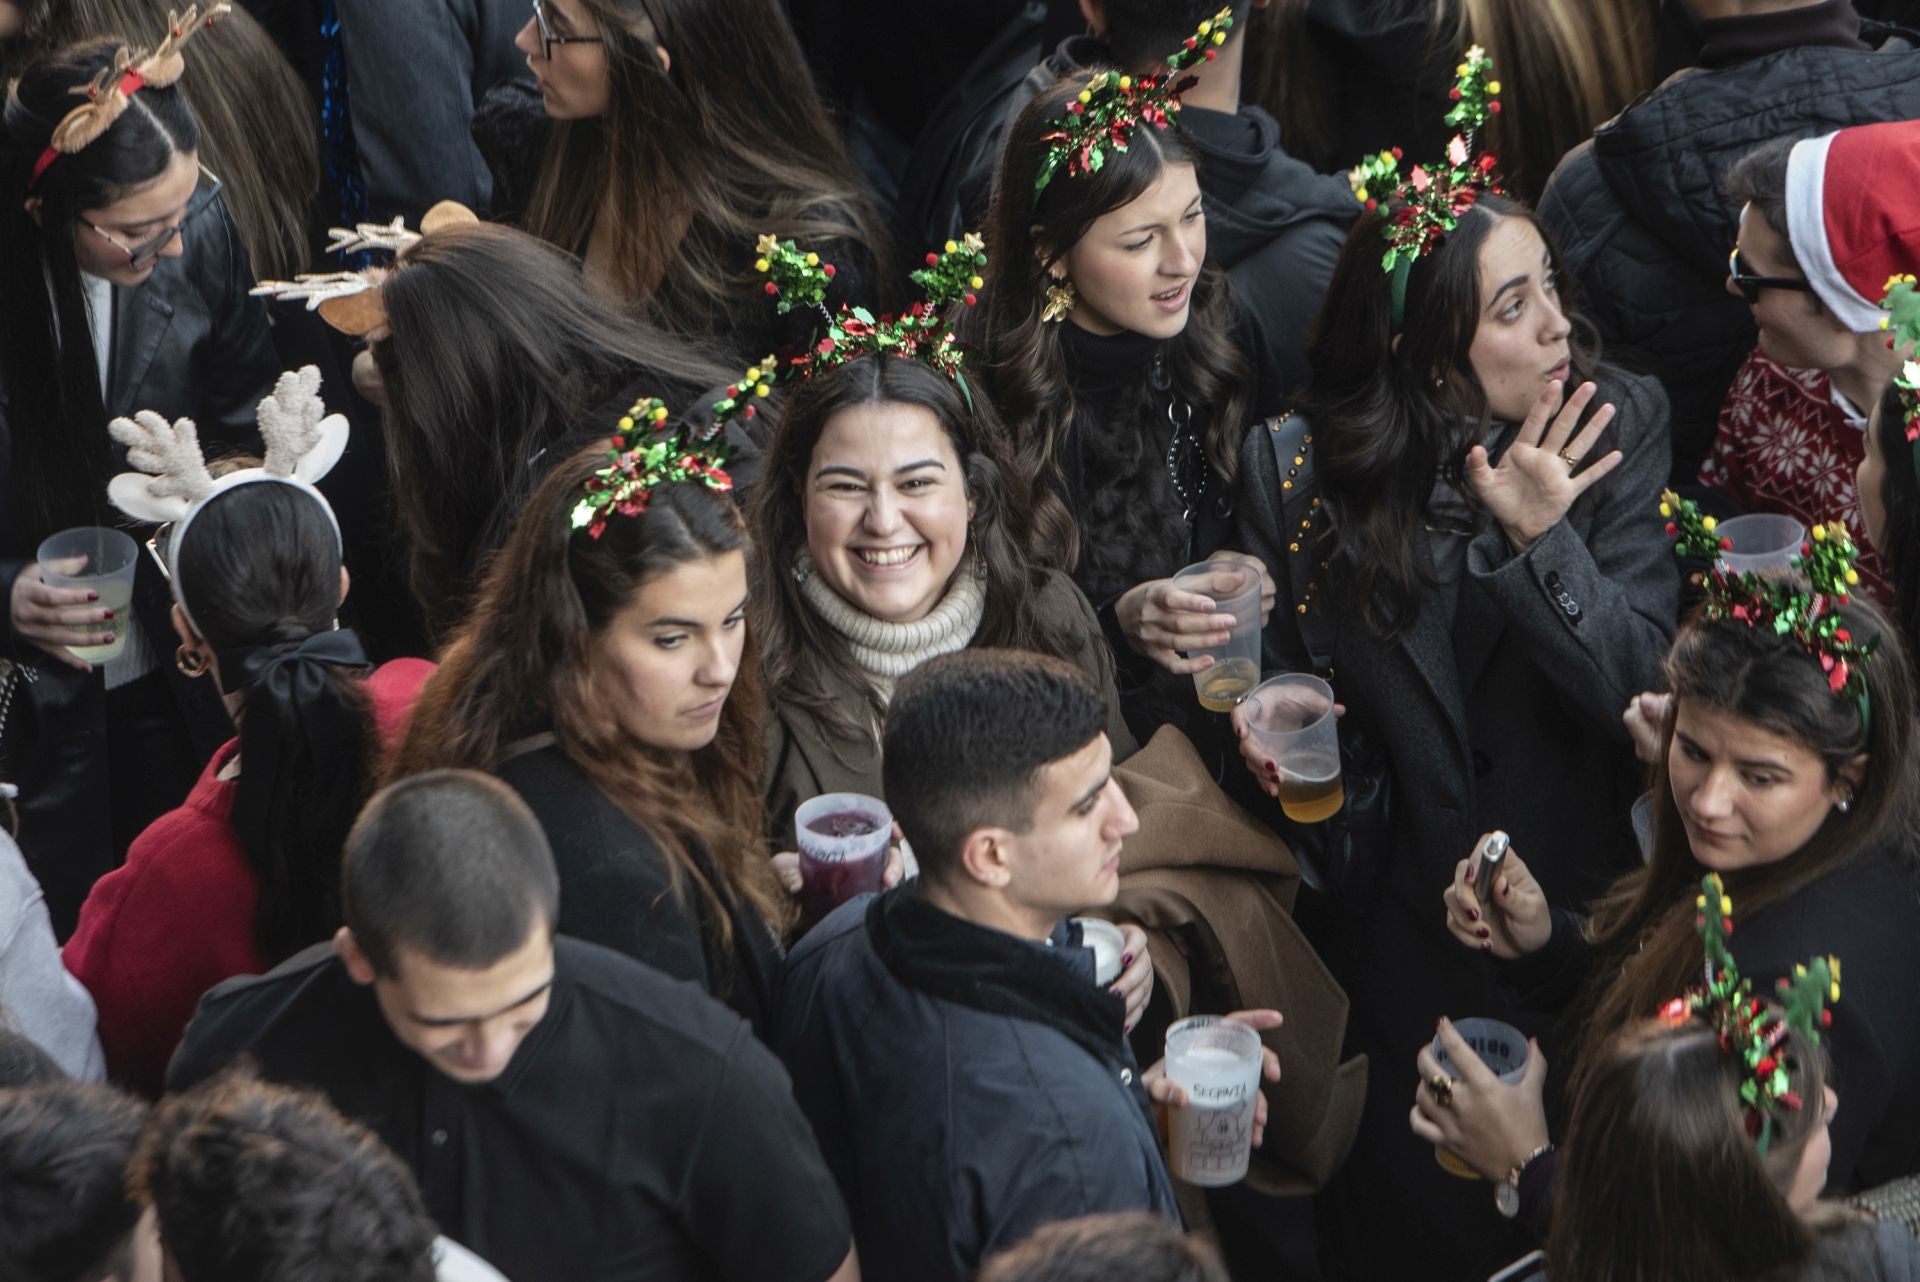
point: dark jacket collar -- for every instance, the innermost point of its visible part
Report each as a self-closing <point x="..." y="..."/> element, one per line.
<point x="1726" y="41"/>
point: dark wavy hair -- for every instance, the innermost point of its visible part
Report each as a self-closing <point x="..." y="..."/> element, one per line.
<point x="1899" y="542"/>
<point x="61" y="451"/>
<point x="523" y="661"/>
<point x="1643" y="927"/>
<point x="260" y="566"/>
<point x="1660" y="1178"/>
<point x="699" y="159"/>
<point x="1023" y="362"/>
<point x="805" y="661"/>
<point x="495" y="355"/>
<point x="1390" y="420"/>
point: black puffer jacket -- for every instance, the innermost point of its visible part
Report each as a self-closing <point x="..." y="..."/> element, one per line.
<point x="1644" y="224"/>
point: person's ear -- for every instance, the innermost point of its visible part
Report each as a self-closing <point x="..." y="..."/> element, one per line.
<point x="1095" y="12"/>
<point x="1851" y="776"/>
<point x="34" y="207"/>
<point x="346" y="584"/>
<point x="666" y="59"/>
<point x="184" y="630"/>
<point x="1393" y="344"/>
<point x="985" y="857"/>
<point x="359" y="966"/>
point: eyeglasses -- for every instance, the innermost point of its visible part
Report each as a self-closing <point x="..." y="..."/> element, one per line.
<point x="1750" y="285"/>
<point x="157" y="548"/>
<point x="549" y="40"/>
<point x="147" y="252"/>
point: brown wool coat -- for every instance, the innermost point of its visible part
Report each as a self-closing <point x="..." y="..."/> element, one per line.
<point x="1213" y="887"/>
<point x="804" y="761"/>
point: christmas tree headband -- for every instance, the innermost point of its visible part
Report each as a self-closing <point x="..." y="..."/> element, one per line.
<point x="107" y="93"/>
<point x="1804" y="604"/>
<point x="1902" y="323"/>
<point x="1105" y="113"/>
<point x="1430" y="203"/>
<point x="650" y="449"/>
<point x="350" y="300"/>
<point x="1746" y="1025"/>
<point x="797" y="278"/>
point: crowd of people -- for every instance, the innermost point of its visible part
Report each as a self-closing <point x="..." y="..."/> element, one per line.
<point x="525" y="462"/>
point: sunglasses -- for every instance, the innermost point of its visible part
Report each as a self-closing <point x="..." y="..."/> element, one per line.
<point x="1750" y="285"/>
<point x="147" y="252"/>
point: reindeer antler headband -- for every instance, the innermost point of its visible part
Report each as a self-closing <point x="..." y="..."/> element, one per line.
<point x="1432" y="201"/>
<point x="1804" y="605"/>
<point x="650" y="449"/>
<point x="1104" y="115"/>
<point x="173" y="485"/>
<point x="1747" y="1027"/>
<point x="797" y="278"/>
<point x="350" y="301"/>
<point x="107" y="93"/>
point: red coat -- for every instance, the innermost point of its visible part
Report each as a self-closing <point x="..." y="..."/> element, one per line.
<point x="177" y="917"/>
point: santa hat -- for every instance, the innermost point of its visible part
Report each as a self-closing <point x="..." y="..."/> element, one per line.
<point x="1853" y="215"/>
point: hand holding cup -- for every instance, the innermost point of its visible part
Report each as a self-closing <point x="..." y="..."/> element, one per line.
<point x="1489" y="1124"/>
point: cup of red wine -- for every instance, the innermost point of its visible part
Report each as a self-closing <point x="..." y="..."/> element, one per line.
<point x="842" y="838"/>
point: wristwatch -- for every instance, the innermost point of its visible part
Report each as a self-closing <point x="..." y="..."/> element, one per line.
<point x="1506" y="1194"/>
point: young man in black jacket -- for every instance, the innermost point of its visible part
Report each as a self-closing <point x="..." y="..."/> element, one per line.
<point x="967" y="1077"/>
<point x="1641" y="213"/>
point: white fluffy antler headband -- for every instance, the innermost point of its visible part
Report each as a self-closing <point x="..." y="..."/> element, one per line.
<point x="173" y="485"/>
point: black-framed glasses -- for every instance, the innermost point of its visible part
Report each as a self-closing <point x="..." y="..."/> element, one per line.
<point x="1750" y="285"/>
<point x="147" y="252"/>
<point x="548" y="40"/>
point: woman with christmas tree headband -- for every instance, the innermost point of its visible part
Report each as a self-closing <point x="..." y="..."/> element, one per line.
<point x="1888" y="478"/>
<point x="1788" y="771"/>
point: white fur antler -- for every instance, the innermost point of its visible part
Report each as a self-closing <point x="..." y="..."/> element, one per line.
<point x="315" y="290"/>
<point x="290" y="419"/>
<point x="365" y="236"/>
<point x="169" y="454"/>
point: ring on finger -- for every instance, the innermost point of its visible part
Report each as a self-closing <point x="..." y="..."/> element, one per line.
<point x="1568" y="458"/>
<point x="1442" y="1087"/>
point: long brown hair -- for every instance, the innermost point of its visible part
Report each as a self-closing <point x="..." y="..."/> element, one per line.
<point x="804" y="660"/>
<point x="1643" y="928"/>
<point x="494" y="356"/>
<point x="1660" y="1179"/>
<point x="257" y="122"/>
<point x="1385" y="430"/>
<point x="690" y="165"/>
<point x="1023" y="362"/>
<point x="522" y="662"/>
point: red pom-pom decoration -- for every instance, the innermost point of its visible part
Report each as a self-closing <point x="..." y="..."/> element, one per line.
<point x="829" y="270"/>
<point x="772" y="289"/>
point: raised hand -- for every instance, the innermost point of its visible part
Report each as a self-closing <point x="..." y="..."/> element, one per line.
<point x="1540" y="475"/>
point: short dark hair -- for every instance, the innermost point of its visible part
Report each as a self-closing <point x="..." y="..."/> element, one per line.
<point x="259" y="1183"/>
<point x="1135" y="1245"/>
<point x="967" y="736"/>
<point x="452" y="865"/>
<point x="1142" y="33"/>
<point x="1759" y="178"/>
<point x="65" y="1214"/>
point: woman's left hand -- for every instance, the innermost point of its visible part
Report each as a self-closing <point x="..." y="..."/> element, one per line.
<point x="1489" y="1125"/>
<point x="1268" y="590"/>
<point x="1539" y="476"/>
<point x="1135" y="984"/>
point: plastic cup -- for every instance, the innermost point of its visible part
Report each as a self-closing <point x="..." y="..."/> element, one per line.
<point x="1763" y="543"/>
<point x="1107" y="944"/>
<point x="1210" y="1137"/>
<point x="99" y="560"/>
<point x="1642" y="815"/>
<point x="842" y="838"/>
<point x="1234" y="588"/>
<point x="1502" y="1048"/>
<point x="1291" y="719"/>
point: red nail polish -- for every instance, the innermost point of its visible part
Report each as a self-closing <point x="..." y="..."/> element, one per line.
<point x="1484" y="933"/>
<point x="93" y="596"/>
<point x="106" y="614"/>
<point x="1473" y="914"/>
<point x="1126" y="960"/>
<point x="1486" y="945"/>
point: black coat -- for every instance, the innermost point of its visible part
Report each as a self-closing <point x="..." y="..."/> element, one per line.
<point x="1644" y="225"/>
<point x="1509" y="720"/>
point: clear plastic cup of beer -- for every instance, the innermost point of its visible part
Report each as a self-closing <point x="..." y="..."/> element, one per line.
<point x="1234" y="588"/>
<point x="1291" y="719"/>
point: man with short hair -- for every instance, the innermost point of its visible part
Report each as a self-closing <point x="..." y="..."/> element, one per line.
<point x="568" y="1112"/>
<point x="65" y="1214"/>
<point x="968" y="1079"/>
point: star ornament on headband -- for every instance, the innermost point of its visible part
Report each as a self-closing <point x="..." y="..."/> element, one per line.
<point x="1746" y="1025"/>
<point x="1103" y="116"/>
<point x="1804" y="604"/>
<point x="650" y="449"/>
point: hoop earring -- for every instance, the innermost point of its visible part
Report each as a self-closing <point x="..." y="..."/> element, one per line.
<point x="1061" y="299"/>
<point x="192" y="664"/>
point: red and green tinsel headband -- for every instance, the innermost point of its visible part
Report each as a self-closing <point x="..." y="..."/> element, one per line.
<point x="1804" y="603"/>
<point x="650" y="449"/>
<point x="1429" y="204"/>
<point x="1746" y="1025"/>
<point x="1902" y="323"/>
<point x="797" y="278"/>
<point x="1103" y="116"/>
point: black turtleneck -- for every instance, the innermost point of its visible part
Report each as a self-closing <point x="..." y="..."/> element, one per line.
<point x="1833" y="24"/>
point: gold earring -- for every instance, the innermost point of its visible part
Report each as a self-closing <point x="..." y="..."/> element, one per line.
<point x="192" y="663"/>
<point x="1060" y="300"/>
